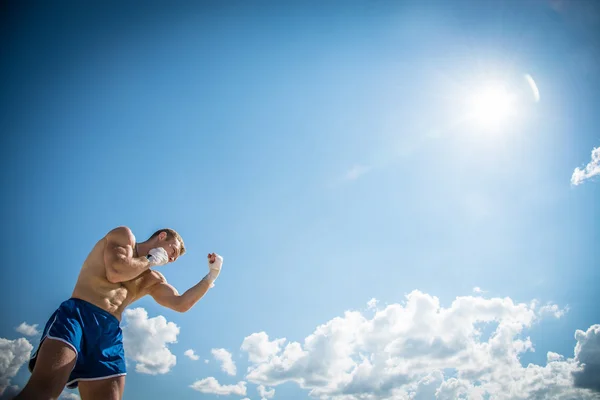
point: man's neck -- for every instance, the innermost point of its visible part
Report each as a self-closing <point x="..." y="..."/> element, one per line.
<point x="141" y="249"/>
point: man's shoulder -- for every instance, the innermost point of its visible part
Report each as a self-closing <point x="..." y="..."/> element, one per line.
<point x="157" y="276"/>
<point x="153" y="276"/>
<point x="121" y="234"/>
<point x="150" y="280"/>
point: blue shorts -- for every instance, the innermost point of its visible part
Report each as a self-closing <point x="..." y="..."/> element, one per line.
<point x="94" y="334"/>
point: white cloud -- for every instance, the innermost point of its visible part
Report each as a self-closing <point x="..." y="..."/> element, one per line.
<point x="587" y="352"/>
<point x="69" y="396"/>
<point x="206" y="361"/>
<point x="356" y="172"/>
<point x="478" y="290"/>
<point x="264" y="393"/>
<point x="259" y="348"/>
<point x="10" y="392"/>
<point x="13" y="354"/>
<point x="552" y="356"/>
<point x="371" y="304"/>
<point x="27" y="330"/>
<point x="590" y="170"/>
<point x="419" y="350"/>
<point x="224" y="357"/>
<point x="212" y="386"/>
<point x="453" y="388"/>
<point x="145" y="340"/>
<point x="426" y="387"/>
<point x="554" y="310"/>
<point x="190" y="353"/>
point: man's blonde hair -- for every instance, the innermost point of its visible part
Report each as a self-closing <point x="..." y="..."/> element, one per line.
<point x="171" y="234"/>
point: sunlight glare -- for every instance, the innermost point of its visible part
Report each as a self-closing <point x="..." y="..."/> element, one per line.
<point x="491" y="106"/>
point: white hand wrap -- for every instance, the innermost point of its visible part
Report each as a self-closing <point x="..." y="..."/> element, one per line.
<point x="214" y="270"/>
<point x="157" y="257"/>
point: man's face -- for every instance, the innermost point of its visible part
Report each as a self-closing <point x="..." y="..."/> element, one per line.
<point x="171" y="246"/>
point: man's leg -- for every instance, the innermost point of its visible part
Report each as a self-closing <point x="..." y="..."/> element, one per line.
<point x="104" y="389"/>
<point x="54" y="364"/>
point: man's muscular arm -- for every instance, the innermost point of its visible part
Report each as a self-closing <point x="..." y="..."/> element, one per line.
<point x="167" y="296"/>
<point x="119" y="262"/>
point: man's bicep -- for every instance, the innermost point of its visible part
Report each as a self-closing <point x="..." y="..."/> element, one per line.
<point x="119" y="245"/>
<point x="118" y="251"/>
<point x="165" y="295"/>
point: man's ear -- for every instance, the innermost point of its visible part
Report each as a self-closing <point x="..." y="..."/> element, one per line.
<point x="162" y="236"/>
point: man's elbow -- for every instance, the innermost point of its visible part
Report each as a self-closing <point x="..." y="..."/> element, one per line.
<point x="182" y="306"/>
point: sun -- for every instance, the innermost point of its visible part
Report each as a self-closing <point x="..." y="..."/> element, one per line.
<point x="491" y="106"/>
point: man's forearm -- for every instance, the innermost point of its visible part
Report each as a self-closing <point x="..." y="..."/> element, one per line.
<point x="195" y="293"/>
<point x="126" y="270"/>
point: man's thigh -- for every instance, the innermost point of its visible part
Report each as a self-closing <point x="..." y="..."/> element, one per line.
<point x="103" y="389"/>
<point x="54" y="363"/>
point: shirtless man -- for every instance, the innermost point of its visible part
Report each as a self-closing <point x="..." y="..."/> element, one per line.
<point x="82" y="343"/>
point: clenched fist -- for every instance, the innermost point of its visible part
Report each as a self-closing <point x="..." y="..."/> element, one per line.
<point x="157" y="257"/>
<point x="215" y="263"/>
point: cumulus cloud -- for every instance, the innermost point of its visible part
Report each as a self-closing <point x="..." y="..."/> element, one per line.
<point x="371" y="304"/>
<point x="590" y="170"/>
<point x="145" y="341"/>
<point x="69" y="396"/>
<point x="212" y="386"/>
<point x="27" y="330"/>
<point x="587" y="353"/>
<point x="264" y="393"/>
<point x="13" y="354"/>
<point x="190" y="353"/>
<point x="420" y="349"/>
<point x="554" y="310"/>
<point x="10" y="391"/>
<point x="224" y="357"/>
<point x="552" y="356"/>
<point x="478" y="290"/>
<point x="259" y="348"/>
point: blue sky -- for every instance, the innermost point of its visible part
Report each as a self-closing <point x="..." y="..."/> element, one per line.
<point x="323" y="151"/>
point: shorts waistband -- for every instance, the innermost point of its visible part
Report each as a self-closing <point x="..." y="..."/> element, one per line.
<point x="94" y="308"/>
